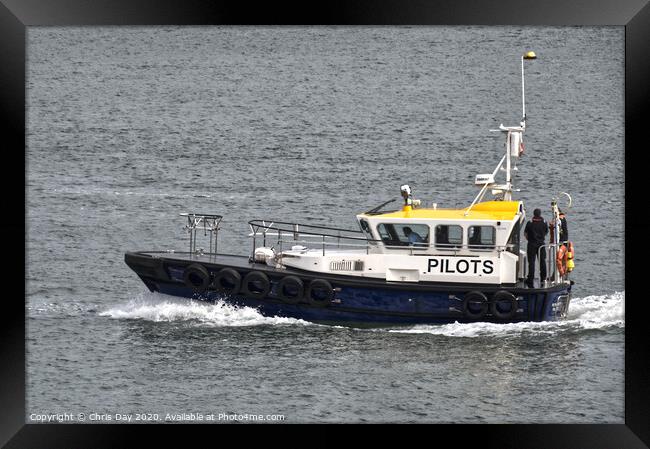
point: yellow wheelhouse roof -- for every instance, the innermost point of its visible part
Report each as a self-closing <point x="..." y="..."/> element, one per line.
<point x="489" y="210"/>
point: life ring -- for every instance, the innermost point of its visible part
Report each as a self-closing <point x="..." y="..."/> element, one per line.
<point x="196" y="277"/>
<point x="560" y="259"/>
<point x="475" y="305"/>
<point x="503" y="297"/>
<point x="227" y="281"/>
<point x="256" y="285"/>
<point x="319" y="293"/>
<point x="290" y="289"/>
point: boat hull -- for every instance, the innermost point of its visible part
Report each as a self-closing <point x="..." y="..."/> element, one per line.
<point x="367" y="301"/>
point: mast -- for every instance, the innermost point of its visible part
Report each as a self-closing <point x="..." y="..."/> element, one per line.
<point x="556" y="236"/>
<point x="514" y="148"/>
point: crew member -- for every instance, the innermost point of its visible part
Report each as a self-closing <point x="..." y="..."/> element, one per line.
<point x="564" y="229"/>
<point x="535" y="233"/>
<point x="414" y="237"/>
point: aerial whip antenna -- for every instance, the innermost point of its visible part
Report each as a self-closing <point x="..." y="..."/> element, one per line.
<point x="528" y="55"/>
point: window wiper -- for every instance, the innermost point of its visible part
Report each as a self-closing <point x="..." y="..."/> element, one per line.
<point x="376" y="209"/>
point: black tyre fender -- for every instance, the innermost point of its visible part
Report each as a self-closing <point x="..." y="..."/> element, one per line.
<point x="292" y="282"/>
<point x="319" y="293"/>
<point x="227" y="281"/>
<point x="256" y="285"/>
<point x="471" y="301"/>
<point x="196" y="277"/>
<point x="503" y="297"/>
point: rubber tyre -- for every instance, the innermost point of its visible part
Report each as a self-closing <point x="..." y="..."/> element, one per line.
<point x="294" y="282"/>
<point x="232" y="279"/>
<point x="474" y="298"/>
<point x="259" y="282"/>
<point x="319" y="293"/>
<point x="196" y="277"/>
<point x="503" y="297"/>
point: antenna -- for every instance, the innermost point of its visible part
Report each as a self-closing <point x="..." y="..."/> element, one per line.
<point x="527" y="55"/>
<point x="514" y="148"/>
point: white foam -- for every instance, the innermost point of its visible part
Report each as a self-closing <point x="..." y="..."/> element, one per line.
<point x="593" y="312"/>
<point x="157" y="307"/>
<point x="590" y="312"/>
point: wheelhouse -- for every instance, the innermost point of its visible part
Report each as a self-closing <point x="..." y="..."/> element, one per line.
<point x="488" y="227"/>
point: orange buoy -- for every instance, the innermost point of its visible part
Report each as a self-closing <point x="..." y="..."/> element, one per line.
<point x="570" y="255"/>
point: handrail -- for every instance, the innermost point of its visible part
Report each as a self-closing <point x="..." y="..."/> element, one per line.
<point x="187" y="214"/>
<point x="210" y="224"/>
<point x="450" y="248"/>
<point x="288" y="232"/>
<point x="551" y="267"/>
<point x="256" y="222"/>
<point x="299" y="229"/>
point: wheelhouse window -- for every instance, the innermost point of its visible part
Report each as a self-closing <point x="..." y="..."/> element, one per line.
<point x="449" y="236"/>
<point x="481" y="237"/>
<point x="365" y="227"/>
<point x="397" y="234"/>
<point x="514" y="240"/>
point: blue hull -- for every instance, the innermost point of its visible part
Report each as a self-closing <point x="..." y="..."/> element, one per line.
<point x="353" y="300"/>
<point x="381" y="306"/>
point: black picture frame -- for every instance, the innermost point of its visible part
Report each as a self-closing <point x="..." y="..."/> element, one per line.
<point x="16" y="15"/>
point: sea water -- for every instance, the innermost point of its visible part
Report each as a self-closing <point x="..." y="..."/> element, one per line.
<point x="130" y="126"/>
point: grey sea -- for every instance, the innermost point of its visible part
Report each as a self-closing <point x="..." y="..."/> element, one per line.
<point x="130" y="126"/>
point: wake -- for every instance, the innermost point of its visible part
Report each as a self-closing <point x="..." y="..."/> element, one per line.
<point x="590" y="312"/>
<point x="162" y="308"/>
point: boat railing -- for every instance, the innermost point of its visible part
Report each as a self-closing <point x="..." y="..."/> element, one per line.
<point x="553" y="276"/>
<point x="208" y="223"/>
<point x="279" y="234"/>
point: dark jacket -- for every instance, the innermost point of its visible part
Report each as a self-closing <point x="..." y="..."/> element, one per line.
<point x="564" y="229"/>
<point x="535" y="231"/>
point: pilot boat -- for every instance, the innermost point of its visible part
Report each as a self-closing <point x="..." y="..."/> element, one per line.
<point x="409" y="265"/>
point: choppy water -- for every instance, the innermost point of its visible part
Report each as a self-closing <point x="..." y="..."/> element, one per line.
<point x="129" y="126"/>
